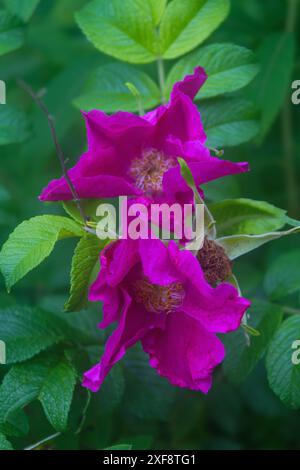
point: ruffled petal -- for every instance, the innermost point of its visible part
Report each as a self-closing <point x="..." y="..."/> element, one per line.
<point x="220" y="309"/>
<point x="184" y="352"/>
<point x="156" y="262"/>
<point x="124" y="130"/>
<point x="191" y="84"/>
<point x="134" y="323"/>
<point x="88" y="187"/>
<point x="116" y="260"/>
<point x="180" y="119"/>
<point x="206" y="168"/>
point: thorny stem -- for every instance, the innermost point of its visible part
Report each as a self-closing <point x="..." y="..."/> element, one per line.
<point x="161" y="78"/>
<point x="43" y="441"/>
<point x="60" y="154"/>
<point x="287" y="127"/>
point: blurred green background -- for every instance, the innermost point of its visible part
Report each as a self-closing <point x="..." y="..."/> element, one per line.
<point x="135" y="406"/>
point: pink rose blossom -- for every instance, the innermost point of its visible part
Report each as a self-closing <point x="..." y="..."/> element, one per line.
<point x="131" y="155"/>
<point x="158" y="295"/>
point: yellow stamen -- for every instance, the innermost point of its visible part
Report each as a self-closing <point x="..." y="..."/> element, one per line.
<point x="157" y="298"/>
<point x="149" y="169"/>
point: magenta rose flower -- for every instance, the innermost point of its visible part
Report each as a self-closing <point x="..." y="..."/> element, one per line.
<point x="131" y="155"/>
<point x="160" y="295"/>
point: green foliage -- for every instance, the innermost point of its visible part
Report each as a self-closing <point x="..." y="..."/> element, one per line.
<point x="31" y="242"/>
<point x="186" y="25"/>
<point x="11" y="35"/>
<point x="272" y="83"/>
<point x="147" y="395"/>
<point x="50" y="379"/>
<point x="120" y="447"/>
<point x="14" y="126"/>
<point x="107" y="90"/>
<point x="85" y="263"/>
<point x="229" y="68"/>
<point x="245" y="216"/>
<point x="283" y="374"/>
<point x="241" y="358"/>
<point x="124" y="29"/>
<point x="47" y="349"/>
<point x="239" y="245"/>
<point x="4" y="443"/>
<point x="89" y="206"/>
<point x="56" y="394"/>
<point x="229" y="122"/>
<point x="157" y="7"/>
<point x="26" y="332"/>
<point x="283" y="275"/>
<point x="23" y="9"/>
<point x="16" y="424"/>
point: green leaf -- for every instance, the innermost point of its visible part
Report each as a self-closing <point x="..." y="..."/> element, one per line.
<point x="283" y="374"/>
<point x="16" y="425"/>
<point x="48" y="378"/>
<point x="185" y="25"/>
<point x="147" y="395"/>
<point x="157" y="7"/>
<point x="124" y="29"/>
<point x="283" y="276"/>
<point x="229" y="121"/>
<point x="272" y="84"/>
<point x="31" y="242"/>
<point x="120" y="447"/>
<point x="107" y="90"/>
<point x="23" y="9"/>
<point x="222" y="188"/>
<point x="245" y="216"/>
<point x="4" y="443"/>
<point x="77" y="328"/>
<point x="56" y="394"/>
<point x="84" y="265"/>
<point x="229" y="68"/>
<point x="241" y="358"/>
<point x="14" y="126"/>
<point x="11" y="36"/>
<point x="26" y="332"/>
<point x="112" y="391"/>
<point x="239" y="245"/>
<point x="90" y="209"/>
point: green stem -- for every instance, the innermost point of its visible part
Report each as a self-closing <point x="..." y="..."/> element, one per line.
<point x="43" y="441"/>
<point x="287" y="128"/>
<point x="84" y="413"/>
<point x="161" y="78"/>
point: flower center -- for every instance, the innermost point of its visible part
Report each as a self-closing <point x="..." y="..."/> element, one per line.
<point x="214" y="262"/>
<point x="149" y="169"/>
<point x="159" y="299"/>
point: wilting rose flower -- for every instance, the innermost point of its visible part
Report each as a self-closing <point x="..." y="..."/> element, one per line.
<point x="131" y="155"/>
<point x="159" y="295"/>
